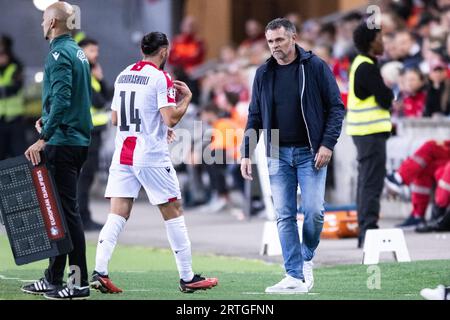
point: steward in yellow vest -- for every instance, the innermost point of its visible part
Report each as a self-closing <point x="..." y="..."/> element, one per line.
<point x="369" y="124"/>
<point x="12" y="109"/>
<point x="365" y="115"/>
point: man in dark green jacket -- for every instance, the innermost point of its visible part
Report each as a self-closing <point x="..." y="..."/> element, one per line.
<point x="64" y="137"/>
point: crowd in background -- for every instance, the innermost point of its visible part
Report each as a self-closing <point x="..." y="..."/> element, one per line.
<point x="415" y="66"/>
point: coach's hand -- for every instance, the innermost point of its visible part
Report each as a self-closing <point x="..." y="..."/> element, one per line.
<point x="38" y="125"/>
<point x="246" y="168"/>
<point x="323" y="157"/>
<point x="33" y="152"/>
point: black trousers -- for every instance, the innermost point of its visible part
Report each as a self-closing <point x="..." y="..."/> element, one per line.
<point x="12" y="138"/>
<point x="371" y="156"/>
<point x="66" y="163"/>
<point x="87" y="176"/>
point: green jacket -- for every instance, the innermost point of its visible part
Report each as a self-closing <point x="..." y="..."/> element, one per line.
<point x="66" y="95"/>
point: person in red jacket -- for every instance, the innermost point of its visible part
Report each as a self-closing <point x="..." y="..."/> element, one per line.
<point x="187" y="49"/>
<point x="420" y="172"/>
<point x="413" y="95"/>
<point x="441" y="221"/>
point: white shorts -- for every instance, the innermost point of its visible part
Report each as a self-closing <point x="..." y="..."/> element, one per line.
<point x="160" y="184"/>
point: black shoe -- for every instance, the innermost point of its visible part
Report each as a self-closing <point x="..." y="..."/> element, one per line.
<point x="392" y="184"/>
<point x="39" y="287"/>
<point x="92" y="226"/>
<point x="411" y="221"/>
<point x="64" y="293"/>
<point x="437" y="212"/>
<point x="425" y="227"/>
<point x="432" y="226"/>
<point x="197" y="283"/>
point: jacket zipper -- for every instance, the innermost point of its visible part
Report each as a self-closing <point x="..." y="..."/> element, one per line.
<point x="303" y="111"/>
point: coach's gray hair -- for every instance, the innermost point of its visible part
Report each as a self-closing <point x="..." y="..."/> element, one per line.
<point x="281" y="22"/>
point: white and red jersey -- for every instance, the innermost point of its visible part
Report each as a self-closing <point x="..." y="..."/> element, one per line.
<point x="139" y="92"/>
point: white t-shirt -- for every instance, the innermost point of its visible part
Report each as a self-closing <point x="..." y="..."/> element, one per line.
<point x="139" y="92"/>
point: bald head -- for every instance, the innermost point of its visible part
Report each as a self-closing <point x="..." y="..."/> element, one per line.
<point x="56" y="19"/>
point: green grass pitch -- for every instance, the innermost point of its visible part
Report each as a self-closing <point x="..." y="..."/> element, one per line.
<point x="146" y="273"/>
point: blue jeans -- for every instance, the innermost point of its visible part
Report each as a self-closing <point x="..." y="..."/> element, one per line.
<point x="291" y="167"/>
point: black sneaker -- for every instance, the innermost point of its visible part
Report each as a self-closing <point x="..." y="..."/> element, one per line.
<point x="432" y="226"/>
<point x="197" y="283"/>
<point x="426" y="227"/>
<point x="64" y="293"/>
<point x="392" y="184"/>
<point x="411" y="221"/>
<point x="39" y="287"/>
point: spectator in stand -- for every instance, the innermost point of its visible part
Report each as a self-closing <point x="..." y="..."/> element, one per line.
<point x="390" y="23"/>
<point x="391" y="73"/>
<point x="187" y="49"/>
<point x="255" y="37"/>
<point x="445" y="17"/>
<point x="343" y="46"/>
<point x="391" y="50"/>
<point x="324" y="52"/>
<point x="187" y="52"/>
<point x="438" y="96"/>
<point x="413" y="95"/>
<point x="426" y="23"/>
<point x="327" y="35"/>
<point x="447" y="50"/>
<point x="409" y="48"/>
<point x="309" y="34"/>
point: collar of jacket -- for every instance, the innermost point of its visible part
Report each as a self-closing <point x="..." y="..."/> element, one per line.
<point x="374" y="59"/>
<point x="58" y="39"/>
<point x="302" y="56"/>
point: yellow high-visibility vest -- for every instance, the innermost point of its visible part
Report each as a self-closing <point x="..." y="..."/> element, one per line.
<point x="364" y="117"/>
<point x="99" y="117"/>
<point x="79" y="36"/>
<point x="12" y="106"/>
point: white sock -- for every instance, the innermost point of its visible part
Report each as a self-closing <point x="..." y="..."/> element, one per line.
<point x="107" y="241"/>
<point x="398" y="177"/>
<point x="181" y="247"/>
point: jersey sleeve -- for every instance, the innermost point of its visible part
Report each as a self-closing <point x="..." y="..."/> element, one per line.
<point x="115" y="103"/>
<point x="166" y="92"/>
<point x="60" y="74"/>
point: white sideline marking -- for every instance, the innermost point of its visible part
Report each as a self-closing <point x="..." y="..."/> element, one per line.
<point x="2" y="277"/>
<point x="139" y="290"/>
<point x="264" y="293"/>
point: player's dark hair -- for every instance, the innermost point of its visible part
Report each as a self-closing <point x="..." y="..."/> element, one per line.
<point x="152" y="42"/>
<point x="87" y="42"/>
<point x="281" y="22"/>
<point x="363" y="37"/>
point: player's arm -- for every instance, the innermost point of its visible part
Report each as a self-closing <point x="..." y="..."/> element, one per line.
<point x="114" y="118"/>
<point x="114" y="105"/>
<point x="173" y="114"/>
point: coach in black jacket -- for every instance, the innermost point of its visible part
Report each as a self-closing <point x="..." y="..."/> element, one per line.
<point x="296" y="101"/>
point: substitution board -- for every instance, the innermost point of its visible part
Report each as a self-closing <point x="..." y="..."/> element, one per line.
<point x="31" y="211"/>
